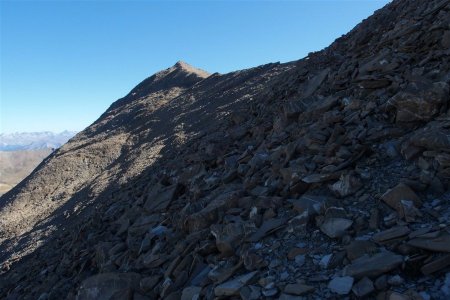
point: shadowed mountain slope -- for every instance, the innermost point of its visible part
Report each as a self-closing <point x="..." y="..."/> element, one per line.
<point x="128" y="138"/>
<point x="324" y="177"/>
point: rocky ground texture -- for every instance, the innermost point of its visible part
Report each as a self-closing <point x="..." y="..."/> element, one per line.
<point x="328" y="177"/>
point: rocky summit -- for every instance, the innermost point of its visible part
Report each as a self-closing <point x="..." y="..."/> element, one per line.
<point x="327" y="177"/>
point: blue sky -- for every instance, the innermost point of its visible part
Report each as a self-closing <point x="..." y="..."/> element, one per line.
<point x="64" y="62"/>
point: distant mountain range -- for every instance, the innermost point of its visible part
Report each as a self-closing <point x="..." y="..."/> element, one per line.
<point x="33" y="140"/>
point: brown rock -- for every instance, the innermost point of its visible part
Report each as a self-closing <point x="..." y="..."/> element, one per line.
<point x="432" y="137"/>
<point x="298" y="289"/>
<point x="394" y="196"/>
<point x="357" y="249"/>
<point x="420" y="101"/>
<point x="409" y="211"/>
<point x="209" y="214"/>
<point x="253" y="261"/>
<point x="438" y="244"/>
<point x="160" y="197"/>
<point x="346" y="185"/>
<point x="312" y="204"/>
<point x="373" y="266"/>
<point x="373" y="82"/>
<point x="436" y="265"/>
<point x="296" y="251"/>
<point x="392" y="233"/>
<point x="227" y="237"/>
<point x="232" y="287"/>
<point x="266" y="228"/>
<point x="293" y="108"/>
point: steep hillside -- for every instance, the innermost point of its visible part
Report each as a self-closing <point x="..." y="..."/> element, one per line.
<point x="325" y="177"/>
<point x="16" y="165"/>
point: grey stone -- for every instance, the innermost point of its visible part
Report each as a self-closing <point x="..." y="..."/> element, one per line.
<point x="300" y="260"/>
<point x="191" y="293"/>
<point x="325" y="261"/>
<point x="232" y="287"/>
<point x="315" y="82"/>
<point x="396" y="280"/>
<point x="341" y="285"/>
<point x="270" y="292"/>
<point x="160" y="197"/>
<point x="43" y="296"/>
<point x="335" y="227"/>
<point x="363" y="287"/>
<point x="250" y="292"/>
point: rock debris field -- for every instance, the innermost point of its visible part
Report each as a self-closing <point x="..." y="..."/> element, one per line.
<point x="323" y="178"/>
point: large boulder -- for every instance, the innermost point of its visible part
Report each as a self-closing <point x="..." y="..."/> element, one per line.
<point x="420" y="101"/>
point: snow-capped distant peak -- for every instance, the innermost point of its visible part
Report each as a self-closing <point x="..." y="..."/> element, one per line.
<point x="33" y="140"/>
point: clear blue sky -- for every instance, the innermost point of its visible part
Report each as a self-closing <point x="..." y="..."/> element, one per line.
<point x="64" y="62"/>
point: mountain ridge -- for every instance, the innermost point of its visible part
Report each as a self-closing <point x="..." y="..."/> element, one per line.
<point x="323" y="177"/>
<point x="180" y="75"/>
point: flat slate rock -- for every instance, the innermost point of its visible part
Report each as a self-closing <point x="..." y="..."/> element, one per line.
<point x="315" y="83"/>
<point x="373" y="266"/>
<point x="191" y="292"/>
<point x="298" y="289"/>
<point x="232" y="287"/>
<point x="392" y="233"/>
<point x="438" y="244"/>
<point x="160" y="197"/>
<point x="266" y="228"/>
<point x="394" y="196"/>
